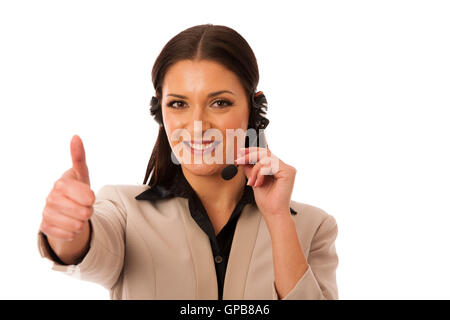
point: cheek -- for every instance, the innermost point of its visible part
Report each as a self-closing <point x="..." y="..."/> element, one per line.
<point x="238" y="121"/>
<point x="233" y="121"/>
<point x="166" y="120"/>
<point x="171" y="122"/>
<point x="170" y="125"/>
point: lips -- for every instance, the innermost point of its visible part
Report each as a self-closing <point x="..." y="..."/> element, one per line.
<point x="192" y="142"/>
<point x="203" y="146"/>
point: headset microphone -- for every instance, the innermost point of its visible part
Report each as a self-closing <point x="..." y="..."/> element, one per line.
<point x="231" y="170"/>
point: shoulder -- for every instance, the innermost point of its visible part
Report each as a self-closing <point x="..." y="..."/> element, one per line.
<point x="131" y="197"/>
<point x="309" y="212"/>
<point x="314" y="222"/>
<point x="120" y="192"/>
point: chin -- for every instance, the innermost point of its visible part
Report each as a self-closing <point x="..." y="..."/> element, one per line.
<point x="203" y="169"/>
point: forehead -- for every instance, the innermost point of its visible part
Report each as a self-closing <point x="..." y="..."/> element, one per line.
<point x="190" y="77"/>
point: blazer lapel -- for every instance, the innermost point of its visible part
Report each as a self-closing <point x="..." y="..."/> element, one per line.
<point x="201" y="253"/>
<point x="241" y="252"/>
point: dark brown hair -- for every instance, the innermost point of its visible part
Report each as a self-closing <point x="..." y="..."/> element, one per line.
<point x="203" y="42"/>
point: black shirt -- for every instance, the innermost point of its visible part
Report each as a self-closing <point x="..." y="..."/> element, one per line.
<point x="220" y="243"/>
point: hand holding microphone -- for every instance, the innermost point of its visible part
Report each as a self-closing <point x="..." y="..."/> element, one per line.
<point x="272" y="180"/>
<point x="231" y="170"/>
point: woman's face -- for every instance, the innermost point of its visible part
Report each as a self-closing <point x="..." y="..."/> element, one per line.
<point x="186" y="97"/>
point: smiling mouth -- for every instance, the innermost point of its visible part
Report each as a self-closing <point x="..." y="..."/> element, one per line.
<point x="202" y="146"/>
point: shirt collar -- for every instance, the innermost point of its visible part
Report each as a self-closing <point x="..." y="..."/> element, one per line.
<point x="180" y="187"/>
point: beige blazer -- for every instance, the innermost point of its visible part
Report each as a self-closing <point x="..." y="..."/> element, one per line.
<point x="155" y="250"/>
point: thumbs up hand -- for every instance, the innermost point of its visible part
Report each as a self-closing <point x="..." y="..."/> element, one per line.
<point x="69" y="204"/>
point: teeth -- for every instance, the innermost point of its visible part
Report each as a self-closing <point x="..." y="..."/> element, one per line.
<point x="199" y="146"/>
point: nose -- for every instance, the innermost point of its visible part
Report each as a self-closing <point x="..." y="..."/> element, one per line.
<point x="199" y="115"/>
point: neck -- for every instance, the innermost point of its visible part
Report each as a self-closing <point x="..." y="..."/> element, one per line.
<point x="216" y="193"/>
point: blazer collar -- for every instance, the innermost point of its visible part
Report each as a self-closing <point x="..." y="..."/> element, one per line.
<point x="180" y="187"/>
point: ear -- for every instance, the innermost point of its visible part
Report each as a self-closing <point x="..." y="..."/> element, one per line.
<point x="155" y="110"/>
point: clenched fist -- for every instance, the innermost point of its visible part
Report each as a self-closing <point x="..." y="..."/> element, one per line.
<point x="68" y="207"/>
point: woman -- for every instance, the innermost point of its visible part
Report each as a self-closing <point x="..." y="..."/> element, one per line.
<point x="193" y="233"/>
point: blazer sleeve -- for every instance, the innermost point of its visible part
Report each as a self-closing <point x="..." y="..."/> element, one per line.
<point x="103" y="261"/>
<point x="319" y="280"/>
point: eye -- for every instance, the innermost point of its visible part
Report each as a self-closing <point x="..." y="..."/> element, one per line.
<point x="221" y="105"/>
<point x="178" y="104"/>
<point x="170" y="104"/>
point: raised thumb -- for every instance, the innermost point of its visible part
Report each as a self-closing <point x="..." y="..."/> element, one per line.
<point x="79" y="159"/>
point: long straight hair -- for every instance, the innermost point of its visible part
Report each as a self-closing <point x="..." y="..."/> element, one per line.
<point x="216" y="43"/>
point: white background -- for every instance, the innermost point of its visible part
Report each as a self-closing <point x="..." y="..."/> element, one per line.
<point x="359" y="98"/>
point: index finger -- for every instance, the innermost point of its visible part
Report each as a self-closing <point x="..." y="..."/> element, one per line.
<point x="260" y="151"/>
<point x="76" y="190"/>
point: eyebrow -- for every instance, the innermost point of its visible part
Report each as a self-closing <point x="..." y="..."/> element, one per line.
<point x="212" y="94"/>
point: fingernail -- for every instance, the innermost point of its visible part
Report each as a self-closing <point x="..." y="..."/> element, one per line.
<point x="240" y="160"/>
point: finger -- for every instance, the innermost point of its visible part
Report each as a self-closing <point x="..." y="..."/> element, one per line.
<point x="79" y="159"/>
<point x="263" y="167"/>
<point x="269" y="170"/>
<point x="251" y="157"/>
<point x="53" y="217"/>
<point x="263" y="151"/>
<point x="75" y="190"/>
<point x="282" y="170"/>
<point x="259" y="180"/>
<point x="55" y="232"/>
<point x="67" y="206"/>
<point x="254" y="173"/>
<point x="263" y="170"/>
